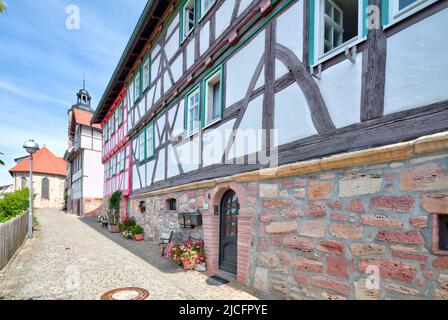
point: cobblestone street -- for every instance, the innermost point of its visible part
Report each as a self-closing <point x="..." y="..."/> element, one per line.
<point x="71" y="258"/>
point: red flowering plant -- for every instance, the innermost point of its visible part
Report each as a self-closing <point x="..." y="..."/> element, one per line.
<point x="126" y="224"/>
<point x="188" y="252"/>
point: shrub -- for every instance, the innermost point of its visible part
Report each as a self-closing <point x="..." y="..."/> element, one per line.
<point x="14" y="204"/>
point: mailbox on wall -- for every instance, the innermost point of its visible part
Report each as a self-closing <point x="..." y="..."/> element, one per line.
<point x="190" y="220"/>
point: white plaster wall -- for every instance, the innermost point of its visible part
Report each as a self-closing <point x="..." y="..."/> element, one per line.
<point x="417" y="65"/>
<point x="241" y="68"/>
<point x="189" y="155"/>
<point x="292" y="115"/>
<point x="190" y="54"/>
<point x="93" y="174"/>
<point x="215" y="142"/>
<point x="160" y="170"/>
<point x="155" y="68"/>
<point x="290" y="29"/>
<point x="340" y="86"/>
<point x="205" y="38"/>
<point x="149" y="172"/>
<point x="173" y="169"/>
<point x="248" y="137"/>
<point x="172" y="46"/>
<point x="223" y="17"/>
<point x="244" y="5"/>
<point x="176" y="67"/>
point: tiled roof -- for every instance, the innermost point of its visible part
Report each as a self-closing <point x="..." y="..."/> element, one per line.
<point x="43" y="162"/>
<point x="84" y="117"/>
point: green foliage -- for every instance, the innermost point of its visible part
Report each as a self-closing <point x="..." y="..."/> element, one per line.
<point x="14" y="204"/>
<point x="1" y="161"/>
<point x="137" y="230"/>
<point x="114" y="207"/>
<point x="2" y="6"/>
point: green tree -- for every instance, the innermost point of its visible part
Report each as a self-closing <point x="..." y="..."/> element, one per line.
<point x="1" y="161"/>
<point x="2" y="6"/>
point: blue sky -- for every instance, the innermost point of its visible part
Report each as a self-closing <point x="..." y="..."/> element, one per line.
<point x="42" y="64"/>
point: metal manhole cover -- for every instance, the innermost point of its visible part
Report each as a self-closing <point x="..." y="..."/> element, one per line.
<point x="216" y="281"/>
<point x="126" y="294"/>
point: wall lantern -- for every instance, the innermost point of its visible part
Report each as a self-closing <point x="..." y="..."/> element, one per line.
<point x="189" y="220"/>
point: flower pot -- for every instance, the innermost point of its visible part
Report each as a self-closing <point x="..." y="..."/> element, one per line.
<point x="113" y="228"/>
<point x="188" y="265"/>
<point x="201" y="267"/>
<point x="138" y="237"/>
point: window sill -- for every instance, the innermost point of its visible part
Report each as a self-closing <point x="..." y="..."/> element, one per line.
<point x="209" y="124"/>
<point x="337" y="51"/>
<point x="407" y="13"/>
<point x="187" y="36"/>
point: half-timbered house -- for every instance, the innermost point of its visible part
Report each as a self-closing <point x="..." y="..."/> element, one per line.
<point x="300" y="130"/>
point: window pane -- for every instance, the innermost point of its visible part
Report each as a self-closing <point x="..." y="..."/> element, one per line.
<point x="217" y="100"/>
<point x="328" y="9"/>
<point x="404" y="3"/>
<point x="150" y="141"/>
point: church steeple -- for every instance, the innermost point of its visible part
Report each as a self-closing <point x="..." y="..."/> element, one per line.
<point x="83" y="97"/>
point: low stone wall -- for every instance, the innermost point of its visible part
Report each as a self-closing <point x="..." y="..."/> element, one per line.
<point x="12" y="235"/>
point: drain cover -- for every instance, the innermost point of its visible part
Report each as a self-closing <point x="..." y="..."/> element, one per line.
<point x="216" y="281"/>
<point x="126" y="294"/>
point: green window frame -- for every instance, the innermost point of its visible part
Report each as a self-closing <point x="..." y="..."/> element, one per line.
<point x="120" y="113"/>
<point x="114" y="165"/>
<point x="122" y="156"/>
<point x="219" y="71"/>
<point x="150" y="141"/>
<point x="146" y="79"/>
<point x="315" y="37"/>
<point x="182" y="33"/>
<point x="191" y="126"/>
<point x="137" y="85"/>
<point x="105" y="132"/>
<point x="142" y="146"/>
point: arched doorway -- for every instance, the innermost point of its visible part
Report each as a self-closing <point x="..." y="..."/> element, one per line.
<point x="228" y="232"/>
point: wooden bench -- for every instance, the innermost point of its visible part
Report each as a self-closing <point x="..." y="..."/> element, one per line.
<point x="165" y="238"/>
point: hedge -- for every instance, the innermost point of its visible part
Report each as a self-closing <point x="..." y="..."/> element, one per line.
<point x="14" y="204"/>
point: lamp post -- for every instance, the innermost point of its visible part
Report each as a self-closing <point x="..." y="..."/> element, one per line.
<point x="31" y="147"/>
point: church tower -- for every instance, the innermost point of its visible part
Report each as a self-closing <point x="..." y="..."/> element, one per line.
<point x="83" y="98"/>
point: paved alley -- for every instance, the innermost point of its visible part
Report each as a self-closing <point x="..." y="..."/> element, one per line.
<point x="72" y="259"/>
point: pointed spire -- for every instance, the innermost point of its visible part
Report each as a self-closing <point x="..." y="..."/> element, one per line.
<point x="84" y="81"/>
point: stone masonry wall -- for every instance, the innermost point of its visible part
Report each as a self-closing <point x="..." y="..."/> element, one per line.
<point x="319" y="233"/>
<point x="157" y="218"/>
<point x="316" y="236"/>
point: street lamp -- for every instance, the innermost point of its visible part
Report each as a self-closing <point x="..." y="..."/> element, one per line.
<point x="31" y="147"/>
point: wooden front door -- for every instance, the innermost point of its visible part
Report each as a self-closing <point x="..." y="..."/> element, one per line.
<point x="228" y="232"/>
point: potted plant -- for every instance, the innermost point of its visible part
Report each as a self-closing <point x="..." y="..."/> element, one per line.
<point x="142" y="206"/>
<point x="114" y="212"/>
<point x="189" y="255"/>
<point x="200" y="260"/>
<point x="137" y="233"/>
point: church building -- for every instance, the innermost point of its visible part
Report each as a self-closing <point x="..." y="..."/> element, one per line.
<point x="84" y="183"/>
